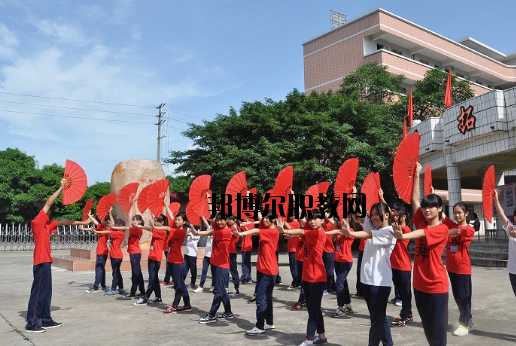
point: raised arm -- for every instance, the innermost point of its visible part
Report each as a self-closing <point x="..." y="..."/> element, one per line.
<point x="71" y="223"/>
<point x="398" y="233"/>
<point x="54" y="196"/>
<point x="499" y="210"/>
<point x="251" y="231"/>
<point x="92" y="219"/>
<point x="416" y="195"/>
<point x="111" y="219"/>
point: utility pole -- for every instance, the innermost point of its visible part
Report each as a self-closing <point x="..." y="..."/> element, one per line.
<point x="160" y="122"/>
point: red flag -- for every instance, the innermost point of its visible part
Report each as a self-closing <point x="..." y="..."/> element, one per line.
<point x="410" y="111"/>
<point x="404" y="128"/>
<point x="448" y="94"/>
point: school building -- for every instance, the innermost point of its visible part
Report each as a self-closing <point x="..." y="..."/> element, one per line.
<point x="470" y="136"/>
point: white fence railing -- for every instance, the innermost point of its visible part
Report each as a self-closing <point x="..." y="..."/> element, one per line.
<point x="15" y="237"/>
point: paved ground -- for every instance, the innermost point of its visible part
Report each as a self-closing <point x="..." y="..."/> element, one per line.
<point x="93" y="319"/>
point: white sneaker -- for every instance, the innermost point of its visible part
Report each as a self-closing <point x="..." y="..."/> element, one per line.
<point x="461" y="331"/>
<point x="254" y="331"/>
<point x="198" y="289"/>
<point x="269" y="326"/>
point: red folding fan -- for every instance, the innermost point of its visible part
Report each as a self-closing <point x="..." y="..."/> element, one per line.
<point x="428" y="180"/>
<point x="76" y="183"/>
<point x="191" y="214"/>
<point x="237" y="185"/>
<point x="174" y="208"/>
<point x="105" y="204"/>
<point x="127" y="195"/>
<point x="313" y="191"/>
<point x="198" y="193"/>
<point x="141" y="200"/>
<point x="284" y="180"/>
<point x="403" y="169"/>
<point x="370" y="188"/>
<point x="275" y="201"/>
<point x="323" y="187"/>
<point x="156" y="196"/>
<point x="346" y="179"/>
<point x="488" y="191"/>
<point x="87" y="209"/>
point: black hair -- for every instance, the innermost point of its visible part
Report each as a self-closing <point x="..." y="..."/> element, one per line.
<point x="382" y="209"/>
<point x="163" y="219"/>
<point x="401" y="210"/>
<point x="139" y="218"/>
<point x="39" y="204"/>
<point x="182" y="215"/>
<point x="462" y="205"/>
<point x="219" y="216"/>
<point x="314" y="214"/>
<point x="119" y="222"/>
<point x="514" y="212"/>
<point x="431" y="200"/>
<point x="475" y="216"/>
<point x="107" y="218"/>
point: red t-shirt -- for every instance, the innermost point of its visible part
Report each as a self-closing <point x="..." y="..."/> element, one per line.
<point x="220" y="247"/>
<point x="292" y="243"/>
<point x="157" y="244"/>
<point x="41" y="229"/>
<point x="247" y="240"/>
<point x="267" y="262"/>
<point x="429" y="273"/>
<point x="328" y="245"/>
<point x="103" y="238"/>
<point x="117" y="237"/>
<point x="400" y="258"/>
<point x="457" y="249"/>
<point x="313" y="267"/>
<point x="343" y="248"/>
<point x="176" y="239"/>
<point x="133" y="244"/>
<point x="361" y="245"/>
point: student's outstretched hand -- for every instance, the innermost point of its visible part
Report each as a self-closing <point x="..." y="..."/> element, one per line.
<point x="512" y="230"/>
<point x="418" y="168"/>
<point x="234" y="230"/>
<point x="396" y="231"/>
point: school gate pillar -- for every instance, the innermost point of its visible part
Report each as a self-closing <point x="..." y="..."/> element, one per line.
<point x="453" y="178"/>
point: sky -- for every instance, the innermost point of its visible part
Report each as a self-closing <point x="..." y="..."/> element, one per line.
<point x="81" y="80"/>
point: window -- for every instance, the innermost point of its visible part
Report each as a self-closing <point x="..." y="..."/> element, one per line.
<point x="424" y="62"/>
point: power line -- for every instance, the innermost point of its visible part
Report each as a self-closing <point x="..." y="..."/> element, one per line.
<point x="75" y="100"/>
<point x="83" y="118"/>
<point x="74" y="108"/>
<point x="190" y="115"/>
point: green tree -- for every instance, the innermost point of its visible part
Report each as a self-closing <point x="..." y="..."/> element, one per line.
<point x="180" y="183"/>
<point x="371" y="82"/>
<point x="315" y="134"/>
<point x="428" y="94"/>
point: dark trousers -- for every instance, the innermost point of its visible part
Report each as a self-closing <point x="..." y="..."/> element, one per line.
<point x="40" y="295"/>
<point x="342" y="270"/>
<point x="168" y="271"/>
<point x="136" y="271"/>
<point x="376" y="298"/>
<point x="401" y="279"/>
<point x="293" y="268"/>
<point x="246" y="266"/>
<point x="462" y="291"/>
<point x="329" y="266"/>
<point x="190" y="265"/>
<point x="179" y="285"/>
<point x="313" y="295"/>
<point x="205" y="266"/>
<point x="220" y="295"/>
<point x="512" y="278"/>
<point x="117" y="281"/>
<point x="153" y="280"/>
<point x="301" y="299"/>
<point x="359" y="265"/>
<point x="278" y="277"/>
<point x="264" y="286"/>
<point x="233" y="268"/>
<point x="100" y="272"/>
<point x="433" y="310"/>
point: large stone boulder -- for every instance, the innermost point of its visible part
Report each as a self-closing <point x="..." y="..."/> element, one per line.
<point x="144" y="172"/>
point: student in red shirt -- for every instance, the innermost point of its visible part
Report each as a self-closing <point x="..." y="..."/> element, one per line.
<point x="343" y="264"/>
<point x="233" y="266"/>
<point x="176" y="260"/>
<point x="40" y="299"/>
<point x="430" y="279"/>
<point x="103" y="231"/>
<point x="402" y="268"/>
<point x="458" y="264"/>
<point x="116" y="236"/>
<point x="219" y="269"/>
<point x="292" y="248"/>
<point x="300" y="254"/>
<point x="314" y="274"/>
<point x="159" y="234"/>
<point x="266" y="272"/>
<point x="329" y="257"/>
<point x="135" y="255"/>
